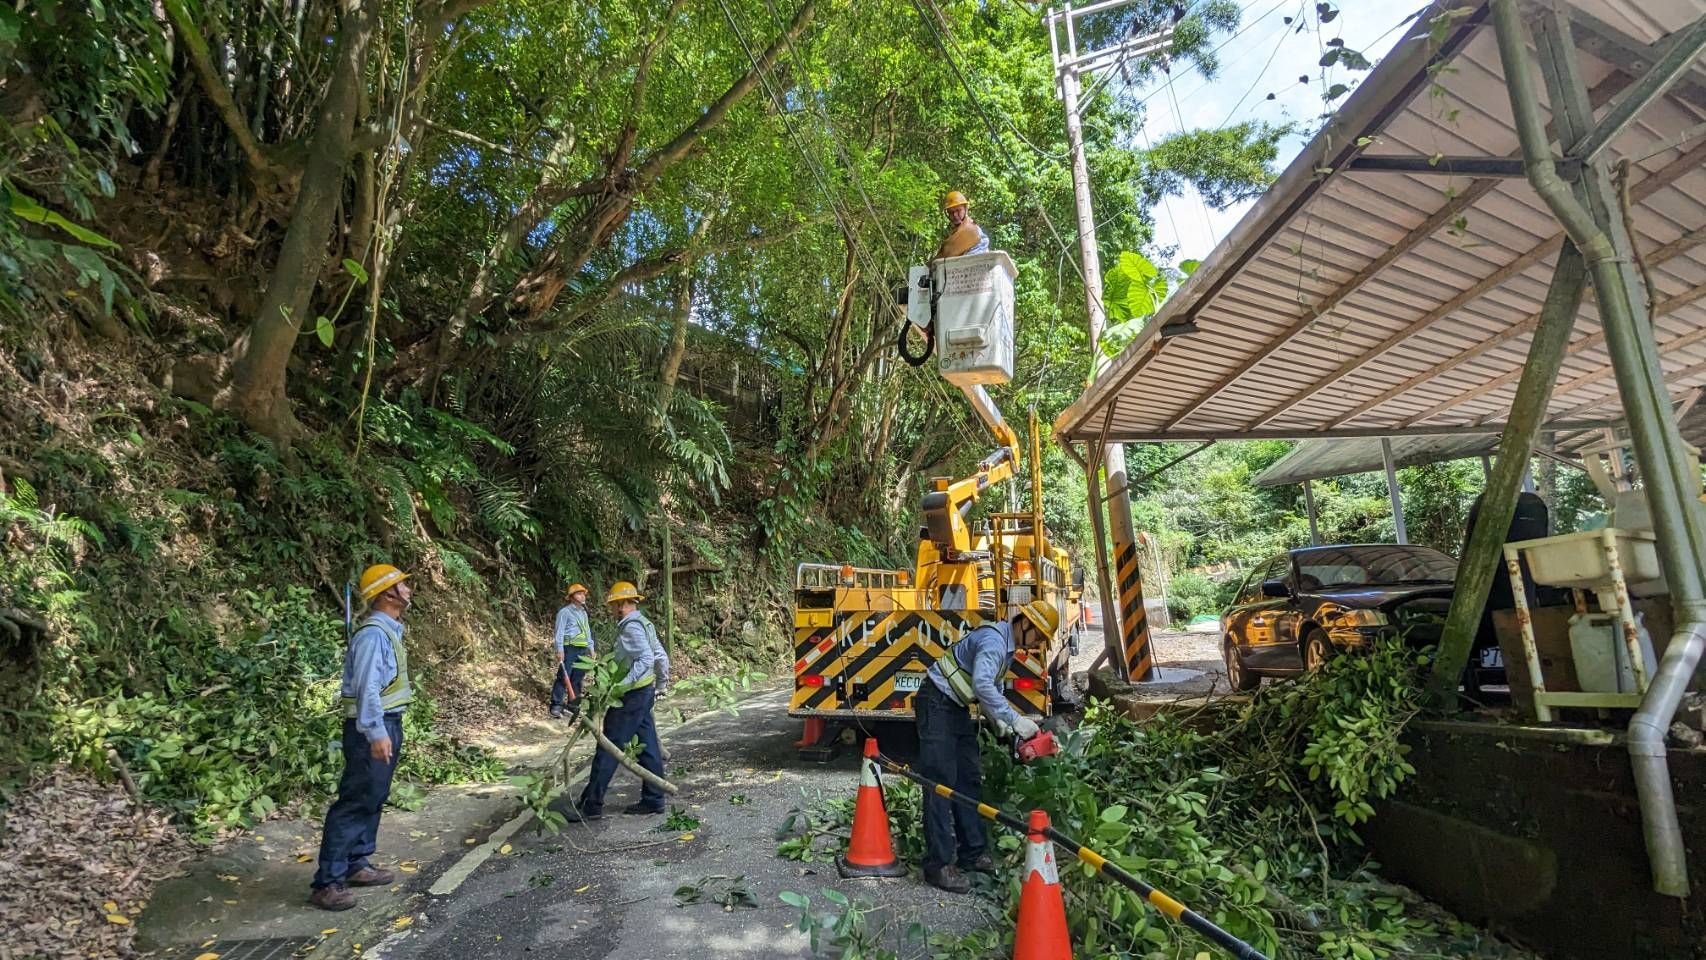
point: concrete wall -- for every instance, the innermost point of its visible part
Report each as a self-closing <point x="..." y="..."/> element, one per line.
<point x="1535" y="833"/>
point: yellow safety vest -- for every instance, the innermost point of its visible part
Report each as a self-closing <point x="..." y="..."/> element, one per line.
<point x="399" y="692"/>
<point x="958" y="677"/>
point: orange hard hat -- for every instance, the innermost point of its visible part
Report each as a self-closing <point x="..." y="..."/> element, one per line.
<point x="573" y="589"/>
<point x="955" y="199"/>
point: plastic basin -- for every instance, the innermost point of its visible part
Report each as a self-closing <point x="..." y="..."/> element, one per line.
<point x="1579" y="559"/>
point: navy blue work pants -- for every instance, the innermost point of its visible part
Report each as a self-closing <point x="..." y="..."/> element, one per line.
<point x="574" y="675"/>
<point x="622" y="724"/>
<point x="352" y="824"/>
<point x="948" y="754"/>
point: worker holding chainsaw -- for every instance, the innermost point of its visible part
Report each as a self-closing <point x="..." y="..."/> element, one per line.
<point x="964" y="235"/>
<point x="573" y="642"/>
<point x="969" y="672"/>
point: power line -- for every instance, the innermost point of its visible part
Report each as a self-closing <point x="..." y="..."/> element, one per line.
<point x="1284" y="31"/>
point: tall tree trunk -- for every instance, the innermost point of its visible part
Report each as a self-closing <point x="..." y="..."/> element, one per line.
<point x="679" y="318"/>
<point x="256" y="393"/>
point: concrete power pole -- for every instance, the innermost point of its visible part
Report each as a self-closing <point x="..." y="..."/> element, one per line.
<point x="1133" y="658"/>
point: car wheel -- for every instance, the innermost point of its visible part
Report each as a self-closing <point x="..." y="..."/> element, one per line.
<point x="1317" y="650"/>
<point x="1242" y="680"/>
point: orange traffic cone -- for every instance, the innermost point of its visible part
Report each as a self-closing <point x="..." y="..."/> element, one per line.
<point x="1042" y="912"/>
<point x="871" y="854"/>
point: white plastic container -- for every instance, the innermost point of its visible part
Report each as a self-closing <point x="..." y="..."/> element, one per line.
<point x="1601" y="658"/>
<point x="974" y="318"/>
<point x="1579" y="560"/>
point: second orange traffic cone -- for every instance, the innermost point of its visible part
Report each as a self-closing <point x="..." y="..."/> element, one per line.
<point x="871" y="854"/>
<point x="1041" y="934"/>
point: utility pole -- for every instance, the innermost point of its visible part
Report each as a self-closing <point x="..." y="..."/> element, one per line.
<point x="1130" y="654"/>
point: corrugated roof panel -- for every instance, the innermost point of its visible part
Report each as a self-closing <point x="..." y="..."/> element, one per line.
<point x="1408" y="347"/>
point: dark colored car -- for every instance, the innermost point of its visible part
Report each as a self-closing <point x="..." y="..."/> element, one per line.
<point x="1295" y="611"/>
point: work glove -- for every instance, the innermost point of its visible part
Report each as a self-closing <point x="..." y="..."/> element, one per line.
<point x="1025" y="728"/>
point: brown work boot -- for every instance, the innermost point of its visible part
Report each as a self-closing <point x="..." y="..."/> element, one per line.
<point x="983" y="864"/>
<point x="371" y="877"/>
<point x="334" y="897"/>
<point x="949" y="879"/>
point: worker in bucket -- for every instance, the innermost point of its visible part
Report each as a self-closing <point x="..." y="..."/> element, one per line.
<point x="375" y="690"/>
<point x="572" y="641"/>
<point x="637" y="648"/>
<point x="964" y="235"/>
<point x="968" y="672"/>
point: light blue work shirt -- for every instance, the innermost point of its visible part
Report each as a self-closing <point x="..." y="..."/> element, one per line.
<point x="982" y="245"/>
<point x="637" y="645"/>
<point x="985" y="651"/>
<point x="572" y="631"/>
<point x="369" y="665"/>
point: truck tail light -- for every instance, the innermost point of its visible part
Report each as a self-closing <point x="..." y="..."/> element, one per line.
<point x="1025" y="683"/>
<point x="812" y="680"/>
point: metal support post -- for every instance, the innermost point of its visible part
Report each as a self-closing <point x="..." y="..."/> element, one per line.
<point x="1309" y="507"/>
<point x="1104" y="583"/>
<point x="1392" y="490"/>
<point x="1592" y="216"/>
<point x="1135" y="659"/>
<point x="1482" y="554"/>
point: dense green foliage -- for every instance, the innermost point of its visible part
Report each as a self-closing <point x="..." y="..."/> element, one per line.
<point x="508" y="293"/>
<point x="1246" y="814"/>
<point x="1212" y="522"/>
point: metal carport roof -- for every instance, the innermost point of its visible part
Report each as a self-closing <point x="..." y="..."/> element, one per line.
<point x="1320" y="459"/>
<point x="1357" y="299"/>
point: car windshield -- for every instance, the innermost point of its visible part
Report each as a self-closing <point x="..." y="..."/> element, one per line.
<point x="1366" y="565"/>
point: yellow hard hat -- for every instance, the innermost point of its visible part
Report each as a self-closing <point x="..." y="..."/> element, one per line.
<point x="1042" y="615"/>
<point x="955" y="199"/>
<point x="574" y="588"/>
<point x="623" y="590"/>
<point x="379" y="578"/>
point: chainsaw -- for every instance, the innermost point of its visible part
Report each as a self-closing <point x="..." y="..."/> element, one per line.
<point x="1041" y="745"/>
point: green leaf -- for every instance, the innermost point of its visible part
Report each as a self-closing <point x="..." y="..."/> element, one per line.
<point x="1336" y="91"/>
<point x="323" y="329"/>
<point x="355" y="270"/>
<point x="26" y="208"/>
<point x="1114" y="814"/>
<point x="792" y="899"/>
<point x="1189" y="267"/>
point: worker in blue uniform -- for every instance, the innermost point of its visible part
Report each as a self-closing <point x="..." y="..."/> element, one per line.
<point x="375" y="690"/>
<point x="572" y="641"/>
<point x="637" y="650"/>
<point x="969" y="672"/>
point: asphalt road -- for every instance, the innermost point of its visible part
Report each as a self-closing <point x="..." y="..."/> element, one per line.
<point x="607" y="889"/>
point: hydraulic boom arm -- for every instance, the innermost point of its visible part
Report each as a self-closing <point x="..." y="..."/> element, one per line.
<point x="946" y="507"/>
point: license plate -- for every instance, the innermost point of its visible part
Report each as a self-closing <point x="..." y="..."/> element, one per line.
<point x="908" y="682"/>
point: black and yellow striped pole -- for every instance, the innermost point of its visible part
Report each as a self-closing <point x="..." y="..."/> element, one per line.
<point x="1160" y="901"/>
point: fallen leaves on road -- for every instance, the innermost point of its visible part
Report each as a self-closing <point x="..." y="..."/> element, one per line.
<point x="505" y="849"/>
<point x="210" y="955"/>
<point x="328" y="931"/>
<point x="409" y="866"/>
<point x="402" y="922"/>
<point x="583" y="889"/>
<point x="75" y="853"/>
<point x="685" y="838"/>
<point x="304" y="857"/>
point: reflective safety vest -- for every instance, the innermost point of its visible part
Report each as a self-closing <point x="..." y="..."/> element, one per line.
<point x="957" y="674"/>
<point x="399" y="692"/>
<point x="651" y="633"/>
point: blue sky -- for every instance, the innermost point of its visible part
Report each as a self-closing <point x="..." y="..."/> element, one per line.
<point x="1267" y="56"/>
